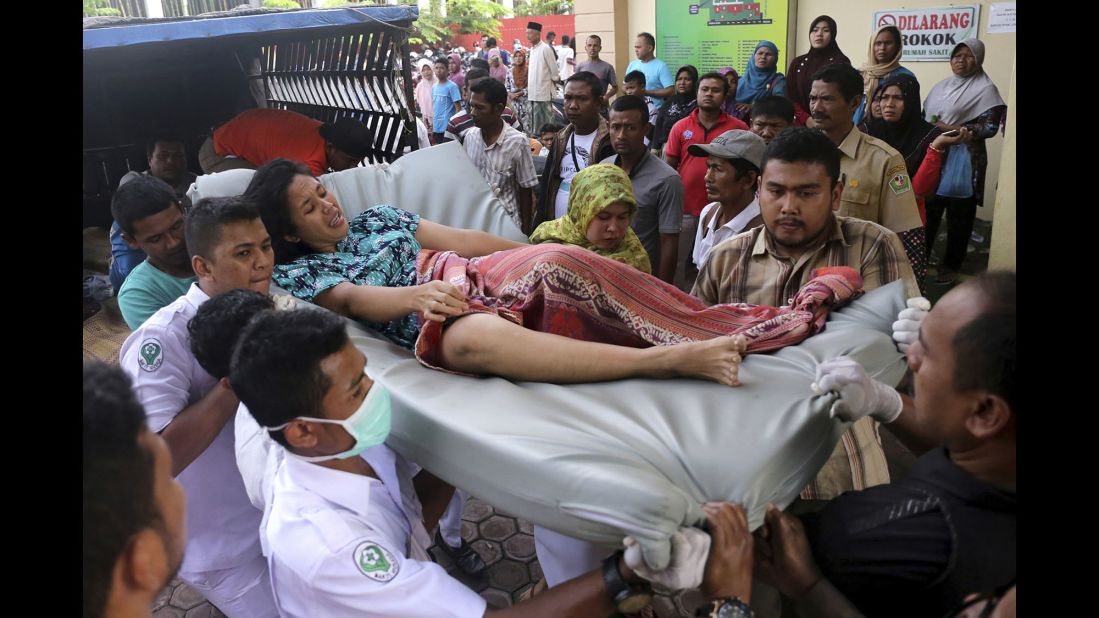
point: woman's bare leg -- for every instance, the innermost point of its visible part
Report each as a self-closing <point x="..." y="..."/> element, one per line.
<point x="487" y="344"/>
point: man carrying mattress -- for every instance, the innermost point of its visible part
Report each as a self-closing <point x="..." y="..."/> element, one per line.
<point x="798" y="194"/>
<point x="345" y="528"/>
<point x="190" y="409"/>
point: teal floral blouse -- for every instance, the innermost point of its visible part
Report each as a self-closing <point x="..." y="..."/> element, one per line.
<point x="380" y="249"/>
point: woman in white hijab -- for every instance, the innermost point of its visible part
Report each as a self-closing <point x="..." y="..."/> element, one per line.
<point x="968" y="99"/>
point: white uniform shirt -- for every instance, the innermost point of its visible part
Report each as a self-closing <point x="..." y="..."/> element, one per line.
<point x="542" y="72"/>
<point x="564" y="69"/>
<point x="715" y="235"/>
<point x="344" y="544"/>
<point x="222" y="524"/>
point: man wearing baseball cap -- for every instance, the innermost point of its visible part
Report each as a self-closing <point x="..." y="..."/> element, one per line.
<point x="732" y="169"/>
<point x="256" y="136"/>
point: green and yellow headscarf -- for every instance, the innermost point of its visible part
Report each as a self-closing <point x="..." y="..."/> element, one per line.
<point x="593" y="189"/>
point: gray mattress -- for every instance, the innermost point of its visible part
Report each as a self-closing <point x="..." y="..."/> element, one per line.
<point x="600" y="461"/>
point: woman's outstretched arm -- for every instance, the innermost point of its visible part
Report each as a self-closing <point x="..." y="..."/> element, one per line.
<point x="466" y="243"/>
<point x="436" y="300"/>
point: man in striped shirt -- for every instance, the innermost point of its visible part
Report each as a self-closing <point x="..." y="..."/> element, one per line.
<point x="500" y="152"/>
<point x="799" y="191"/>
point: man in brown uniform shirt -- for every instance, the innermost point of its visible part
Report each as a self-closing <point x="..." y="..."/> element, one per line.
<point x="799" y="192"/>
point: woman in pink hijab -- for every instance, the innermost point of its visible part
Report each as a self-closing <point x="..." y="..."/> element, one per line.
<point x="496" y="68"/>
<point x="456" y="74"/>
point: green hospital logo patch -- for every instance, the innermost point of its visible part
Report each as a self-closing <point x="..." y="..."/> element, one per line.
<point x="899" y="183"/>
<point x="375" y="561"/>
<point x="150" y="355"/>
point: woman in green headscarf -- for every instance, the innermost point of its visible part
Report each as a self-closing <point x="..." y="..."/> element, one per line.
<point x="601" y="204"/>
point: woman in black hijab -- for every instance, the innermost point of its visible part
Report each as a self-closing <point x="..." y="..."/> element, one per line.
<point x="678" y="106"/>
<point x="823" y="51"/>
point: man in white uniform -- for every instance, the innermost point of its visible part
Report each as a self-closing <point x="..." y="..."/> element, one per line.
<point x="346" y="523"/>
<point x="230" y="249"/>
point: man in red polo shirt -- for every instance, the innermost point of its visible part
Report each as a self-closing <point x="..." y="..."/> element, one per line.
<point x="256" y="136"/>
<point x="703" y="125"/>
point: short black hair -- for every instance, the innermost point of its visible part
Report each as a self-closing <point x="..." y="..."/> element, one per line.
<point x="276" y="366"/>
<point x="493" y="91"/>
<point x="597" y="38"/>
<point x="475" y="74"/>
<point x="629" y="102"/>
<point x="550" y="127"/>
<point x="119" y="478"/>
<point x="478" y="63"/>
<point x="217" y="324"/>
<point x="712" y="75"/>
<point x="142" y="196"/>
<point x="984" y="349"/>
<point x="775" y="106"/>
<point x="443" y="60"/>
<point x="162" y="137"/>
<point x="845" y="76"/>
<point x="204" y="221"/>
<point x="565" y="39"/>
<point x="589" y="78"/>
<point x="491" y="42"/>
<point x="634" y="77"/>
<point x="551" y="33"/>
<point x="268" y="192"/>
<point x="804" y="145"/>
<point x="650" y="39"/>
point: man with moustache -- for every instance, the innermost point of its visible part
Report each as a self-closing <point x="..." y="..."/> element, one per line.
<point x="798" y="195"/>
<point x="876" y="186"/>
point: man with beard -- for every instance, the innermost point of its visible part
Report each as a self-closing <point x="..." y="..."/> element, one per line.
<point x="798" y="195"/>
<point x="150" y="217"/>
<point x="133" y="509"/>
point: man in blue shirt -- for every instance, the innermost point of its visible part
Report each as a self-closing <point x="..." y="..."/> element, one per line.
<point x="446" y="99"/>
<point x="659" y="81"/>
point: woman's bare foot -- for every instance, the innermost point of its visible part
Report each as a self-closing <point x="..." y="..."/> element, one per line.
<point x="717" y="360"/>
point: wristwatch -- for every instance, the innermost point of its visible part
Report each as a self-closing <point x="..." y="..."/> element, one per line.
<point x="730" y="607"/>
<point x="628" y="599"/>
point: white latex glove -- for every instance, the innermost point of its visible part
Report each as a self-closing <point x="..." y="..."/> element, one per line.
<point x="860" y="395"/>
<point x="907" y="327"/>
<point x="690" y="549"/>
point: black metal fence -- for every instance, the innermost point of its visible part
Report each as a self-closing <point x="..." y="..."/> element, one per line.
<point x="356" y="75"/>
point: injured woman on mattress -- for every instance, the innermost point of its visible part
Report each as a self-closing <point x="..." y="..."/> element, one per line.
<point x="590" y="318"/>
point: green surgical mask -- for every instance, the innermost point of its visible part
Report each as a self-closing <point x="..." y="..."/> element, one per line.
<point x="369" y="425"/>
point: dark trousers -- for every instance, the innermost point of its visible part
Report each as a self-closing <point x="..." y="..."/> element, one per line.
<point x="960" y="214"/>
<point x="439" y="139"/>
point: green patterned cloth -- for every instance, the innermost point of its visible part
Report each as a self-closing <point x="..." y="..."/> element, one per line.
<point x="595" y="188"/>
